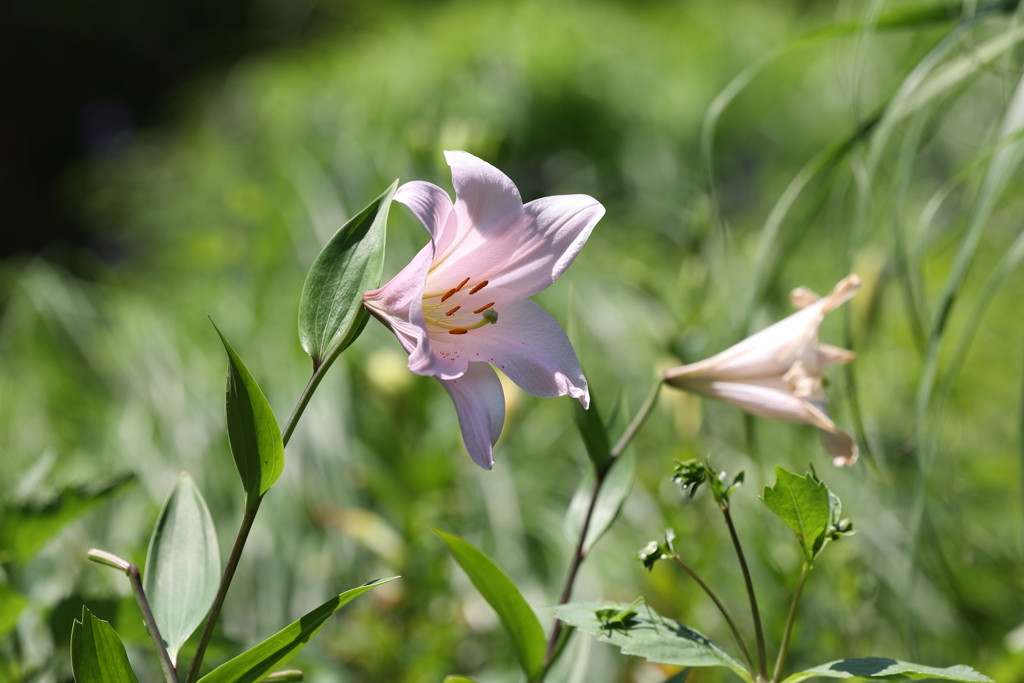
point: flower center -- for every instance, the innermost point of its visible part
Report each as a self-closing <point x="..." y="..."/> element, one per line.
<point x="458" y="310"/>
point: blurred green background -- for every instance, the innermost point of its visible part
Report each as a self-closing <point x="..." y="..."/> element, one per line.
<point x="259" y="147"/>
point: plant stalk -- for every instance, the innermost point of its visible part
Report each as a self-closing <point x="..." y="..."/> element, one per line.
<point x="243" y="533"/>
<point x="222" y="591"/>
<point x="784" y="647"/>
<point x="725" y="613"/>
<point x="581" y="551"/>
<point x="147" y="616"/>
<point x="762" y="659"/>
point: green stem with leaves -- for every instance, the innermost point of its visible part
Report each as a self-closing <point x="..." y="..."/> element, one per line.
<point x="762" y="658"/>
<point x="784" y="647"/>
<point x="243" y="534"/>
<point x="725" y="613"/>
<point x="581" y="550"/>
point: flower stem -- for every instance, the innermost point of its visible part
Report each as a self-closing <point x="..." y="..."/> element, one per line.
<point x="581" y="550"/>
<point x="780" y="662"/>
<point x="147" y="617"/>
<point x="222" y="591"/>
<point x="762" y="660"/>
<point x="243" y="532"/>
<point x="725" y="613"/>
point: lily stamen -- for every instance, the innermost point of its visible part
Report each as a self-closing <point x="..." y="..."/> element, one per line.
<point x="458" y="330"/>
<point x="478" y="287"/>
<point x="482" y="308"/>
<point x="449" y="313"/>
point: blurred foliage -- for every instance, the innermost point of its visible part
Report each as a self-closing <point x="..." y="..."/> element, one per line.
<point x="223" y="211"/>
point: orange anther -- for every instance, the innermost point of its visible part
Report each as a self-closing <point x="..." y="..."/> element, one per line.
<point x="483" y="308"/>
<point x="462" y="284"/>
<point x="448" y="295"/>
<point x="453" y="310"/>
<point x="478" y="287"/>
<point x="458" y="330"/>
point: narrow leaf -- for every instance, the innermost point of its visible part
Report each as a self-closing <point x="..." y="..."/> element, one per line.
<point x="182" y="565"/>
<point x="881" y="667"/>
<point x="253" y="431"/>
<point x="27" y="528"/>
<point x="617" y="485"/>
<point x="501" y="594"/>
<point x="331" y="313"/>
<point x="257" y="663"/>
<point x="97" y="654"/>
<point x="11" y="605"/>
<point x="803" y="503"/>
<point x="592" y="430"/>
<point x="649" y="635"/>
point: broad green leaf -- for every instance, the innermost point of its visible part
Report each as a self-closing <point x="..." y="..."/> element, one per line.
<point x="331" y="313"/>
<point x="11" y="604"/>
<point x="258" y="663"/>
<point x="647" y="634"/>
<point x="881" y="667"/>
<point x="97" y="654"/>
<point x="593" y="432"/>
<point x="459" y="679"/>
<point x="617" y="485"/>
<point x="253" y="431"/>
<point x="25" y="529"/>
<point x="501" y="594"/>
<point x="182" y="565"/>
<point x="803" y="503"/>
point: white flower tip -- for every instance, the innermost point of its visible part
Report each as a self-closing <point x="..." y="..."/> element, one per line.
<point x="581" y="395"/>
<point x="843" y="291"/>
<point x="802" y="297"/>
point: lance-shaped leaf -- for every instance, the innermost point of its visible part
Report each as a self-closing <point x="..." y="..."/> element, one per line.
<point x="257" y="663"/>
<point x="803" y="503"/>
<point x="647" y="634"/>
<point x="97" y="654"/>
<point x="331" y="313"/>
<point x="593" y="432"/>
<point x="614" y="491"/>
<point x="881" y="667"/>
<point x="182" y="565"/>
<point x="501" y="594"/>
<point x="27" y="528"/>
<point x="253" y="432"/>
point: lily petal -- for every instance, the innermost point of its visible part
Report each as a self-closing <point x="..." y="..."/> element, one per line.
<point x="399" y="303"/>
<point x="840" y="446"/>
<point x="556" y="230"/>
<point x="489" y="222"/>
<point x="480" y="404"/>
<point x="767" y="402"/>
<point x="432" y="206"/>
<point x="529" y="346"/>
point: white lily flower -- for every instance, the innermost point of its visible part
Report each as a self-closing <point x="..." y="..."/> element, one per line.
<point x="776" y="373"/>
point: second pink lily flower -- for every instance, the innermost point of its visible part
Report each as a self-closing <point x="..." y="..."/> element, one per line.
<point x="462" y="303"/>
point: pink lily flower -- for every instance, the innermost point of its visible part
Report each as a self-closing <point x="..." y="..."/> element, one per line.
<point x="461" y="305"/>
<point x="776" y="373"/>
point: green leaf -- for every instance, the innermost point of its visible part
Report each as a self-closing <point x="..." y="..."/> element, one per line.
<point x="881" y="667"/>
<point x="331" y="313"/>
<point x="182" y="565"/>
<point x="502" y="595"/>
<point x="27" y="528"/>
<point x="593" y="433"/>
<point x="257" y="663"/>
<point x="459" y="679"/>
<point x="803" y="503"/>
<point x="617" y="485"/>
<point x="253" y="431"/>
<point x="97" y="654"/>
<point x="647" y="634"/>
<point x="11" y="604"/>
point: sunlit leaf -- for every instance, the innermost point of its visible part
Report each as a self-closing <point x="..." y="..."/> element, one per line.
<point x="459" y="679"/>
<point x="331" y="313"/>
<point x="257" y="663"/>
<point x="614" y="492"/>
<point x="501" y="594"/>
<point x="27" y="528"/>
<point x="97" y="654"/>
<point x="647" y="634"/>
<point x="881" y="667"/>
<point x="803" y="503"/>
<point x="182" y="565"/>
<point x="11" y="604"/>
<point x="253" y="431"/>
